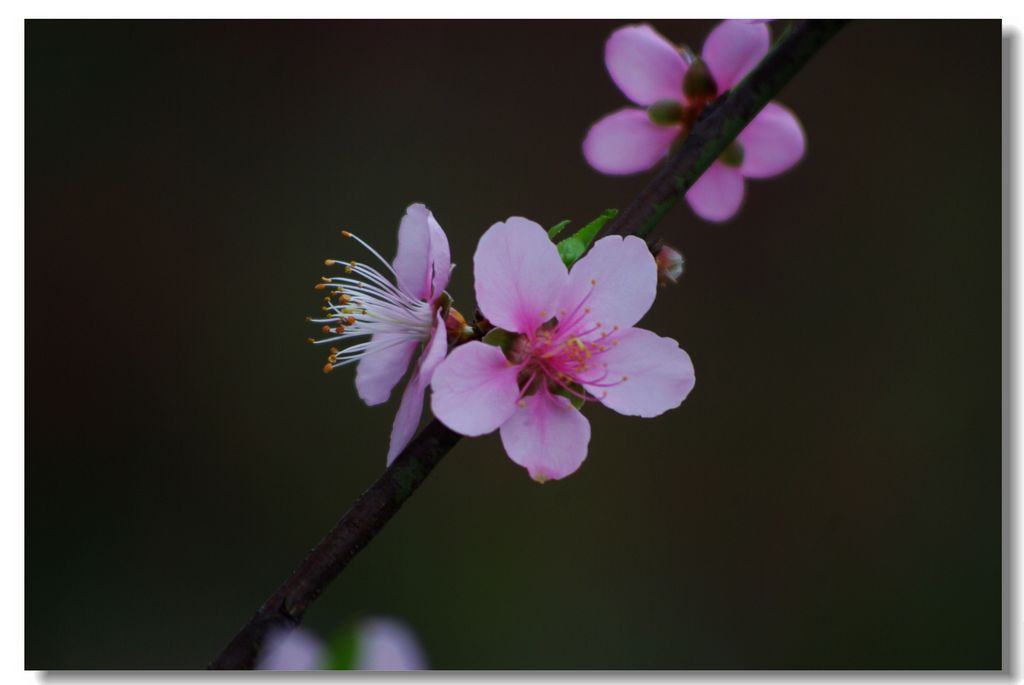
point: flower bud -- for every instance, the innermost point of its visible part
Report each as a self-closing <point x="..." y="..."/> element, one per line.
<point x="733" y="154"/>
<point x="456" y="326"/>
<point x="670" y="265"/>
<point x="698" y="84"/>
<point x="666" y="112"/>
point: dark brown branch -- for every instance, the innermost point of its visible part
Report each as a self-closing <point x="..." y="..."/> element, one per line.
<point x="357" y="527"/>
<point x="375" y="507"/>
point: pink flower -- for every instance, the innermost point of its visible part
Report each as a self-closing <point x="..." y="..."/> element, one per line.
<point x="398" y="317"/>
<point x="292" y="650"/>
<point x="574" y="339"/>
<point x="673" y="90"/>
<point x="380" y="644"/>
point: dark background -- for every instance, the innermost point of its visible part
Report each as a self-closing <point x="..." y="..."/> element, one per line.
<point x="827" y="497"/>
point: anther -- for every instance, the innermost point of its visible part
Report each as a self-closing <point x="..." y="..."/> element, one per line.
<point x="339" y="330"/>
<point x="329" y="262"/>
<point x="522" y="404"/>
<point x="319" y="286"/>
<point x="351" y="320"/>
<point x="310" y="341"/>
<point x="326" y="329"/>
<point x="593" y="281"/>
<point x="346" y="234"/>
<point x="328" y="368"/>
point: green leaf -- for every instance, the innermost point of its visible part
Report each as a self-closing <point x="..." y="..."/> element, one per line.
<point x="341" y="651"/>
<point x="557" y="228"/>
<point x="576" y="245"/>
<point x="576" y="399"/>
<point x="500" y="338"/>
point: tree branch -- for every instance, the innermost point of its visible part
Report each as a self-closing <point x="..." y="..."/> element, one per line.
<point x="716" y="128"/>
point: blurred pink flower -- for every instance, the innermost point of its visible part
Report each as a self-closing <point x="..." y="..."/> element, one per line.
<point x="381" y="644"/>
<point x="387" y="644"/>
<point x="398" y="317"/>
<point x="575" y="339"/>
<point x="653" y="73"/>
<point x="292" y="650"/>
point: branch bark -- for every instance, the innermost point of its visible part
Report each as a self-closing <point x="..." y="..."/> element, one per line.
<point x="716" y="128"/>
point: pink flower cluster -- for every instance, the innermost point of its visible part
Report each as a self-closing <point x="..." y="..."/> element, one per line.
<point x="560" y="337"/>
<point x="672" y="87"/>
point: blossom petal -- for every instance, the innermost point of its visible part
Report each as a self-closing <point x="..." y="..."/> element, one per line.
<point x="617" y="281"/>
<point x="407" y="419"/>
<point x="547" y="436"/>
<point x="292" y="650"/>
<point x="383" y="365"/>
<point x="659" y="374"/>
<point x="773" y="142"/>
<point x="518" y="275"/>
<point x="733" y="48"/>
<point x="718" y="194"/>
<point x="627" y="142"/>
<point x="645" y="65"/>
<point x="424" y="261"/>
<point x="386" y="644"/>
<point x="474" y="389"/>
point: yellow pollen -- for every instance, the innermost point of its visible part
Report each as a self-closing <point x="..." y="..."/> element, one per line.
<point x="522" y="404"/>
<point x="328" y="262"/>
<point x="328" y="368"/>
<point x="351" y="320"/>
<point x="319" y="286"/>
<point x="310" y="341"/>
<point x="346" y="234"/>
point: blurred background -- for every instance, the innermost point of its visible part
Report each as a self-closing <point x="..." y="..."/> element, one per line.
<point x="827" y="497"/>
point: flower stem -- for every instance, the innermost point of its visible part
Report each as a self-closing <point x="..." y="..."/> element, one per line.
<point x="716" y="128"/>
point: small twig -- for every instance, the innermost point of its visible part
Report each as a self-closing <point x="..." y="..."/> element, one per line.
<point x="357" y="527"/>
<point x="375" y="507"/>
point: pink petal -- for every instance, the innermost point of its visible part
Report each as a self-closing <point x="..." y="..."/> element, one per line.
<point x="518" y="275"/>
<point x="292" y="650"/>
<point x="424" y="260"/>
<point x="773" y="142"/>
<point x="617" y="281"/>
<point x="407" y="419"/>
<point x="547" y="436"/>
<point x="659" y="375"/>
<point x="386" y="644"/>
<point x="474" y="389"/>
<point x="627" y="142"/>
<point x="383" y="365"/>
<point x="718" y="194"/>
<point x="644" y="65"/>
<point x="733" y="48"/>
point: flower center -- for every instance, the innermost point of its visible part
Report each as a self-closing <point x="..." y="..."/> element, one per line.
<point x="565" y="354"/>
<point x="363" y="302"/>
